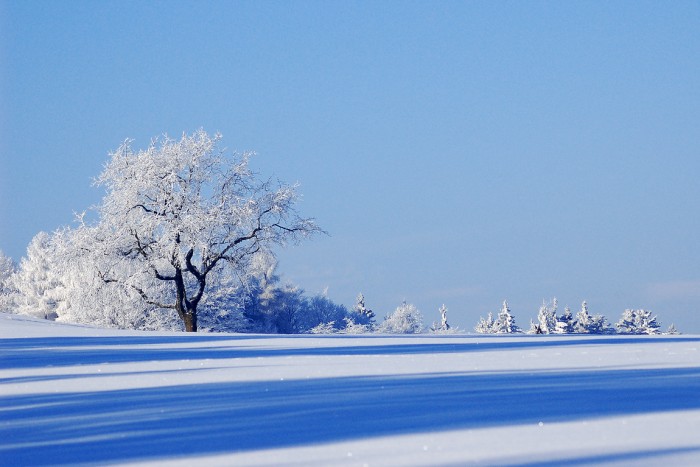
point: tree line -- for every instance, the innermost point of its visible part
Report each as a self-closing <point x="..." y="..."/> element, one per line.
<point x="548" y="321"/>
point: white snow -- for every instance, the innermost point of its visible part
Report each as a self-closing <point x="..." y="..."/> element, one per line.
<point x="73" y="395"/>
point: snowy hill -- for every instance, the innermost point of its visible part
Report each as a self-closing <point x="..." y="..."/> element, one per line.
<point x="76" y="395"/>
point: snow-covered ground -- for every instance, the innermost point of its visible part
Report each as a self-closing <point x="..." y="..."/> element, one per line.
<point x="78" y="395"/>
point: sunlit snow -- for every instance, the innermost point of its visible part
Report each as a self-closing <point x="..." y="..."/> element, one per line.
<point x="71" y="395"/>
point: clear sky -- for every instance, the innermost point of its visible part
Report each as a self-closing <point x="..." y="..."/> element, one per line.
<point x="457" y="152"/>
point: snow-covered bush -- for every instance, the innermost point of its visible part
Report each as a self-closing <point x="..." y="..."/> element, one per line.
<point x="351" y="327"/>
<point x="406" y="319"/>
<point x="637" y="322"/>
<point x="323" y="328"/>
<point x="487" y="325"/>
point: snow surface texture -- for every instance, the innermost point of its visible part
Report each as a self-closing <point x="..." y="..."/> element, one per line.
<point x="79" y="395"/>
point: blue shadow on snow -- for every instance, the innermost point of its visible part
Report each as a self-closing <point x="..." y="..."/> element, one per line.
<point x="67" y="351"/>
<point x="207" y="419"/>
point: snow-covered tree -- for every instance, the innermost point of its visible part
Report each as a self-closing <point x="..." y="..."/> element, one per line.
<point x="672" y="331"/>
<point x="534" y="328"/>
<point x="320" y="310"/>
<point x="37" y="284"/>
<point x="7" y="269"/>
<point x="585" y="323"/>
<point x="503" y="324"/>
<point x="506" y="321"/>
<point x="86" y="298"/>
<point x="260" y="294"/>
<point x="286" y="310"/>
<point x="223" y="306"/>
<point x="361" y="314"/>
<point x="583" y="319"/>
<point x="182" y="211"/>
<point x="406" y="319"/>
<point x="565" y="322"/>
<point x="637" y="322"/>
<point x="442" y="326"/>
<point x="487" y="325"/>
<point x="547" y="317"/>
<point x="648" y="323"/>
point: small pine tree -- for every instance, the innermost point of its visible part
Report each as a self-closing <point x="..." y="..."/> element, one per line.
<point x="486" y="326"/>
<point x="565" y="322"/>
<point x="672" y="331"/>
<point x="599" y="325"/>
<point x="535" y="328"/>
<point x="637" y="322"/>
<point x="506" y="320"/>
<point x="626" y="324"/>
<point x="547" y="317"/>
<point x="443" y="326"/>
<point x="585" y="323"/>
<point x="583" y="320"/>
<point x="362" y="314"/>
<point x="648" y="323"/>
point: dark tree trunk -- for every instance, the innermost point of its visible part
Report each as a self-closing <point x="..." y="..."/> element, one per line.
<point x="187" y="310"/>
<point x="190" y="320"/>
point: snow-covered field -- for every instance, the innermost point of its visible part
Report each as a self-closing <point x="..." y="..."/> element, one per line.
<point x="77" y="395"/>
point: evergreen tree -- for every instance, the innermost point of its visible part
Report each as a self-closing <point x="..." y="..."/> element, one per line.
<point x="534" y="328"/>
<point x="38" y="282"/>
<point x="637" y="322"/>
<point x="506" y="322"/>
<point x="486" y="325"/>
<point x="442" y="327"/>
<point x="583" y="320"/>
<point x="547" y="317"/>
<point x="361" y="314"/>
<point x="565" y="323"/>
<point x="7" y="269"/>
<point x="585" y="323"/>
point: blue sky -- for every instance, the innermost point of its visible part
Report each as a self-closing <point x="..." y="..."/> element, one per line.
<point x="457" y="152"/>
